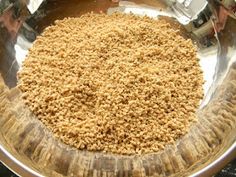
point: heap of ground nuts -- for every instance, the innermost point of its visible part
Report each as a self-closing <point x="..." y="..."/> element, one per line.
<point x="116" y="83"/>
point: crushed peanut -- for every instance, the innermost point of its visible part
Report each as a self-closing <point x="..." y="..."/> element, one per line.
<point x="116" y="83"/>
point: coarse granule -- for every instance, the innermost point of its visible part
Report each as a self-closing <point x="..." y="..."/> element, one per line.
<point x="114" y="83"/>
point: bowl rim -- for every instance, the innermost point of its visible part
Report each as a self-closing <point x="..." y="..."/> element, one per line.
<point x="21" y="169"/>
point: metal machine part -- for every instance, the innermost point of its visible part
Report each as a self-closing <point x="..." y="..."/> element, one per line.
<point x="211" y="25"/>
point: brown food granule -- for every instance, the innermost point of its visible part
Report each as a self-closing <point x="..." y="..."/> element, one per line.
<point x="114" y="83"/>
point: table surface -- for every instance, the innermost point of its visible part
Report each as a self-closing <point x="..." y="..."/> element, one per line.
<point x="228" y="171"/>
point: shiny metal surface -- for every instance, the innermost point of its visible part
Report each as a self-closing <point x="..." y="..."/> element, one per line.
<point x="211" y="25"/>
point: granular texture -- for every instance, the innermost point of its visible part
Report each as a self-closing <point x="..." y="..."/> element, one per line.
<point x="114" y="83"/>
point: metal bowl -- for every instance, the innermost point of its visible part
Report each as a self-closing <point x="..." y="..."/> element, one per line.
<point x="28" y="147"/>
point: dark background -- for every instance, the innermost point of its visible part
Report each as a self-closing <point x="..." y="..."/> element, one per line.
<point x="228" y="171"/>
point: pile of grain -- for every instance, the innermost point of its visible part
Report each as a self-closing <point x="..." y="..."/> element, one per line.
<point x="117" y="83"/>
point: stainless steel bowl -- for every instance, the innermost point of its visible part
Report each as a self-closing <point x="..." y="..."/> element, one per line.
<point x="29" y="149"/>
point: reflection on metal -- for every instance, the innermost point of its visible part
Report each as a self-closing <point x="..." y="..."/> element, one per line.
<point x="188" y="10"/>
<point x="211" y="25"/>
<point x="33" y="5"/>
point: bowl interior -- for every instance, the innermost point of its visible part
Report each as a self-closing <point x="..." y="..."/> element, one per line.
<point x="29" y="148"/>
